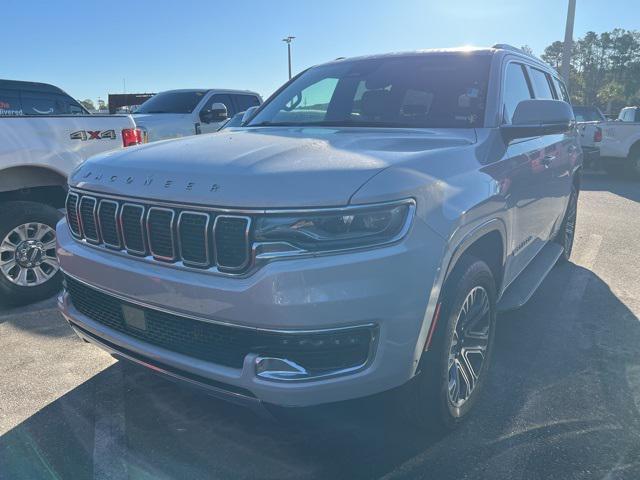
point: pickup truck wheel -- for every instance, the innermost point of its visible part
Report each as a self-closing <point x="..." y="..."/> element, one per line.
<point x="29" y="269"/>
<point x="634" y="165"/>
<point x="455" y="368"/>
<point x="567" y="231"/>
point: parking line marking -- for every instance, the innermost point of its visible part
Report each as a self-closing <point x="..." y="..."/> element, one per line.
<point x="109" y="444"/>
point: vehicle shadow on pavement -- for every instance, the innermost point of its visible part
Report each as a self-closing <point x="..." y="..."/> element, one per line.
<point x="561" y="402"/>
<point x="623" y="187"/>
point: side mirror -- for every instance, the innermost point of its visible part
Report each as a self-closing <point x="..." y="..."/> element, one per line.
<point x="216" y="113"/>
<point x="248" y="114"/>
<point x="534" y="118"/>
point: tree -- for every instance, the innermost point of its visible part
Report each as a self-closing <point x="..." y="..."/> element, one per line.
<point x="102" y="105"/>
<point x="605" y="68"/>
<point x="527" y="49"/>
<point x="88" y="104"/>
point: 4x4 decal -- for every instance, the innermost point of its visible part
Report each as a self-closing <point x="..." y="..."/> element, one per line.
<point x="93" y="135"/>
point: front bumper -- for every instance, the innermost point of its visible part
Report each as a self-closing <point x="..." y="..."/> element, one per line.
<point x="387" y="287"/>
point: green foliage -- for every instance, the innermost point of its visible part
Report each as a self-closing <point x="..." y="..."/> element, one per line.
<point x="88" y="104"/>
<point x="605" y="68"/>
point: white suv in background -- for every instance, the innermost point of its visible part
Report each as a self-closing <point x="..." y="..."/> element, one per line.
<point x="180" y="113"/>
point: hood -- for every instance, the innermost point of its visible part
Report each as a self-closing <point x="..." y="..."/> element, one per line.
<point x="263" y="167"/>
<point x="162" y="126"/>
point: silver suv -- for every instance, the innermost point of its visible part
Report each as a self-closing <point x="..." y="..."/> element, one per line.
<point x="359" y="233"/>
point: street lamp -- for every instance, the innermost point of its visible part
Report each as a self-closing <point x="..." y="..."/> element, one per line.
<point x="288" y="41"/>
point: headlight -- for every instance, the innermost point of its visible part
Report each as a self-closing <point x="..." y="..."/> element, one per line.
<point x="327" y="230"/>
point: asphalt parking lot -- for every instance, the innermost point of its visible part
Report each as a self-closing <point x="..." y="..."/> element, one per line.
<point x="563" y="400"/>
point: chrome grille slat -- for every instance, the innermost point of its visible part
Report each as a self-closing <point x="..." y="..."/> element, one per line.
<point x="231" y="241"/>
<point x="132" y="225"/>
<point x="206" y="239"/>
<point x="193" y="238"/>
<point x="88" y="221"/>
<point x="108" y="223"/>
<point x="72" y="213"/>
<point x="160" y="233"/>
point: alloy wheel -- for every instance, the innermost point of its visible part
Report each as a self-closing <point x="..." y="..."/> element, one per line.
<point x="468" y="346"/>
<point x="28" y="254"/>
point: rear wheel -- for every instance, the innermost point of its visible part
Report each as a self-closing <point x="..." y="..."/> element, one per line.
<point x="634" y="164"/>
<point x="29" y="269"/>
<point x="455" y="368"/>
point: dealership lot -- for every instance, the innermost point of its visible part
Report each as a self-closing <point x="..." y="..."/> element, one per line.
<point x="563" y="400"/>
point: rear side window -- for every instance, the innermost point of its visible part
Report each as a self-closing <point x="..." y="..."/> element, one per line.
<point x="586" y="114"/>
<point x="172" y="102"/>
<point x="10" y="103"/>
<point x="246" y="101"/>
<point x="541" y="84"/>
<point x="516" y="89"/>
<point x="44" y="103"/>
<point x="561" y="89"/>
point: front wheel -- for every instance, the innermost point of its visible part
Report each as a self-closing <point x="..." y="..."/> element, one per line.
<point x="29" y="268"/>
<point x="455" y="368"/>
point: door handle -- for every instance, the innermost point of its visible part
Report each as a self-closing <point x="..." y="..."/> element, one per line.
<point x="547" y="160"/>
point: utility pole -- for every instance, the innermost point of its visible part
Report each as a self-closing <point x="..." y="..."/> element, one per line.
<point x="568" y="42"/>
<point x="288" y="41"/>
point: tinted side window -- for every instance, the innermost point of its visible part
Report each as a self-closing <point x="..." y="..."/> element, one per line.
<point x="243" y="102"/>
<point x="541" y="84"/>
<point x="39" y="103"/>
<point x="222" y="98"/>
<point x="10" y="103"/>
<point x="561" y="89"/>
<point x="516" y="89"/>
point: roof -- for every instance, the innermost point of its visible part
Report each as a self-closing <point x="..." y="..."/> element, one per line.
<point x="207" y="90"/>
<point x="498" y="48"/>
<point x="33" y="86"/>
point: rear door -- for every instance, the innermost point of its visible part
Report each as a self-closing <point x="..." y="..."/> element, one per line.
<point x="559" y="153"/>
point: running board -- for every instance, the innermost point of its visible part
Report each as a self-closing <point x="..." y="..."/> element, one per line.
<point x="523" y="287"/>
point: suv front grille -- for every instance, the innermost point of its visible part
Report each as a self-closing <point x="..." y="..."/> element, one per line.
<point x="202" y="239"/>
<point x="223" y="344"/>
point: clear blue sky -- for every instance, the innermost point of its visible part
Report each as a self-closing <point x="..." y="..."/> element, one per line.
<point x="88" y="47"/>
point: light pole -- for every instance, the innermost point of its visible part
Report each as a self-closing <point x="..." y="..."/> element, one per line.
<point x="288" y="41"/>
<point x="568" y="42"/>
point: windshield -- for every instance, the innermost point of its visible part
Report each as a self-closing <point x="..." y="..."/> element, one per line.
<point x="587" y="114"/>
<point x="430" y="91"/>
<point x="172" y="102"/>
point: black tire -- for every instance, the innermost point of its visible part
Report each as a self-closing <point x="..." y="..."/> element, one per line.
<point x="426" y="399"/>
<point x="613" y="168"/>
<point x="12" y="215"/>
<point x="633" y="164"/>
<point x="567" y="232"/>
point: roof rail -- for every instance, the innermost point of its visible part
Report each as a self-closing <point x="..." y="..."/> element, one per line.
<point x="506" y="46"/>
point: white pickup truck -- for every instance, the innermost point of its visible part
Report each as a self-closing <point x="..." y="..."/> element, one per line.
<point x="44" y="135"/>
<point x="180" y="113"/>
<point x="620" y="145"/>
<point x="590" y="121"/>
